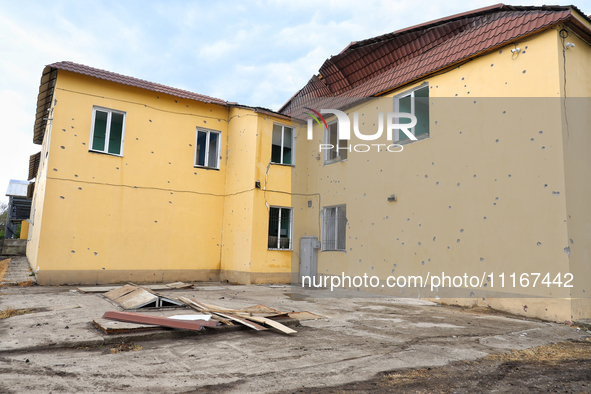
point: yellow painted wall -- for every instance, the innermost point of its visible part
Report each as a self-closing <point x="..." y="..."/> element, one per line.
<point x="245" y="254"/>
<point x="24" y="230"/>
<point x="149" y="215"/>
<point x="486" y="191"/>
<point x="37" y="205"/>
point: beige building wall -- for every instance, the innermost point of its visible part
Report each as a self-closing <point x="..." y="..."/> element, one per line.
<point x="576" y="140"/>
<point x="486" y="192"/>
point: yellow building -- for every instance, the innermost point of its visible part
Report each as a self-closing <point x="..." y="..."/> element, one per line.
<point x="141" y="182"/>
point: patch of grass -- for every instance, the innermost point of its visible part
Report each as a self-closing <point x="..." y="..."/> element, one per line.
<point x="25" y="283"/>
<point x="552" y="354"/>
<point x="555" y="352"/>
<point x="10" y="312"/>
<point x="125" y="347"/>
<point x="3" y="268"/>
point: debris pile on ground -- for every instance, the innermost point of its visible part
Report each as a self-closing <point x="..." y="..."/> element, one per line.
<point x="162" y="311"/>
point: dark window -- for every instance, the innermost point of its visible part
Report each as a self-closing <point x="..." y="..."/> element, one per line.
<point x="207" y="149"/>
<point x="281" y="148"/>
<point x="107" y="131"/>
<point x="280" y="228"/>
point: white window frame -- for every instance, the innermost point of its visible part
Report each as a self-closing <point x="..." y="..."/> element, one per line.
<point x="207" y="139"/>
<point x="323" y="242"/>
<point x="109" y="112"/>
<point x="411" y="93"/>
<point x="293" y="143"/>
<point x="337" y="159"/>
<point x="279" y="228"/>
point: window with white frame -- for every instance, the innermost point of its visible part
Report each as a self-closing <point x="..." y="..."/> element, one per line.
<point x="282" y="145"/>
<point x="108" y="129"/>
<point x="280" y="228"/>
<point x="334" y="227"/>
<point x="339" y="148"/>
<point x="416" y="102"/>
<point x="207" y="149"/>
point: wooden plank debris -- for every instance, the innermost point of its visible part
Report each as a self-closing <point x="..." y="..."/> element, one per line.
<point x="153" y="287"/>
<point x="249" y="316"/>
<point x="269" y="322"/>
<point x="137" y="299"/>
<point x="203" y="307"/>
<point x="131" y="317"/>
<point x="119" y="292"/>
<point x="132" y="296"/>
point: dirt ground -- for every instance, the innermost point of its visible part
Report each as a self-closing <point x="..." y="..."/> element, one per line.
<point x="558" y="368"/>
<point x="359" y="345"/>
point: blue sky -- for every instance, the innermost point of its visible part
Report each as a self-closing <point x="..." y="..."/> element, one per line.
<point x="252" y="52"/>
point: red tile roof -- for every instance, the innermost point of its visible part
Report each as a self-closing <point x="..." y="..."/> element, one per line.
<point x="371" y="67"/>
<point x="130" y="81"/>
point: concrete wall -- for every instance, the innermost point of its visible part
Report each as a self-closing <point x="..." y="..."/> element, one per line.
<point x="14" y="247"/>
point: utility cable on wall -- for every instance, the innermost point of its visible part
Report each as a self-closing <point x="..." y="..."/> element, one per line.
<point x="563" y="35"/>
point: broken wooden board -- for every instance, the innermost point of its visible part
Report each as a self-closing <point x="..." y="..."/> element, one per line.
<point x="137" y="299"/>
<point x="131" y="317"/>
<point x="202" y="307"/>
<point x="188" y="302"/>
<point x="132" y="296"/>
<point x="155" y="287"/>
<point x="269" y="322"/>
<point x="119" y="292"/>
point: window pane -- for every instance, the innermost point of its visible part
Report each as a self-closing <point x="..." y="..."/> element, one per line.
<point x="116" y="133"/>
<point x="213" y="150"/>
<point x="342" y="227"/>
<point x="332" y="140"/>
<point x="100" y="130"/>
<point x="273" y="228"/>
<point x="285" y="228"/>
<point x="200" y="156"/>
<point x="329" y="223"/>
<point x="276" y="144"/>
<point x="422" y="111"/>
<point x="404" y="106"/>
<point x="287" y="140"/>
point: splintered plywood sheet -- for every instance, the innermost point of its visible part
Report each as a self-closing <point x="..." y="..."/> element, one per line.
<point x="136" y="299"/>
<point x="119" y="292"/>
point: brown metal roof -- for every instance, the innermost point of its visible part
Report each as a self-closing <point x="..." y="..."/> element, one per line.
<point x="371" y="67"/>
<point x="138" y="83"/>
<point x="48" y="83"/>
